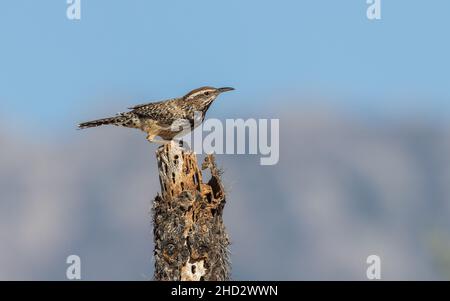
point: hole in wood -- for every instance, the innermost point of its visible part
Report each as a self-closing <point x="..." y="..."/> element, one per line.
<point x="193" y="268"/>
<point x="170" y="249"/>
<point x="206" y="263"/>
<point x="209" y="197"/>
<point x="173" y="177"/>
<point x="182" y="186"/>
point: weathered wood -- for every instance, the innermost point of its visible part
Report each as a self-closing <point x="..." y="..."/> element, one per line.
<point x="190" y="238"/>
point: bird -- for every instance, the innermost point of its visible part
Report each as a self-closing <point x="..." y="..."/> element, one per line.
<point x="167" y="118"/>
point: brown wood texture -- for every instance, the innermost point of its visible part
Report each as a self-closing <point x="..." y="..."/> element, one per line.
<point x="190" y="237"/>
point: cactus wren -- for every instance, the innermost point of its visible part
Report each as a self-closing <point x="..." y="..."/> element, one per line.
<point x="167" y="118"/>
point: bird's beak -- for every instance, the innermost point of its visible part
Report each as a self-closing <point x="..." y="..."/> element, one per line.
<point x="225" y="89"/>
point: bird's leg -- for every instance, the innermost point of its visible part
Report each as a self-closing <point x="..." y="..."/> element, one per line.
<point x="151" y="138"/>
<point x="162" y="142"/>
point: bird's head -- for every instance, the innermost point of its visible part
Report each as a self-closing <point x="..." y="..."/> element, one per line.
<point x="204" y="96"/>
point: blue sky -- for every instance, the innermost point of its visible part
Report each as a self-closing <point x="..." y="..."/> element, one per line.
<point x="54" y="70"/>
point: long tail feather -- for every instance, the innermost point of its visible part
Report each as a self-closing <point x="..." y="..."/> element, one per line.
<point x="118" y="120"/>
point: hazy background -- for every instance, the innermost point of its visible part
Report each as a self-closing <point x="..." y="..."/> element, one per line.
<point x="365" y="142"/>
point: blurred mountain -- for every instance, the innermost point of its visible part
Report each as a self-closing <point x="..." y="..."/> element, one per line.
<point x="344" y="189"/>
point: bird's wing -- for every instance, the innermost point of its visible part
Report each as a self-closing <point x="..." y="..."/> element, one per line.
<point x="144" y="105"/>
<point x="164" y="112"/>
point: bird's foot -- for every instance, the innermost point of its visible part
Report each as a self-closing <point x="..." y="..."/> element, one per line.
<point x="162" y="142"/>
<point x="152" y="139"/>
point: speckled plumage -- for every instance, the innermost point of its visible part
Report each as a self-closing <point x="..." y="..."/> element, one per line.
<point x="167" y="118"/>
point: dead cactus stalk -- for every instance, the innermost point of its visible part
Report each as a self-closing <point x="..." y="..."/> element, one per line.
<point x="190" y="238"/>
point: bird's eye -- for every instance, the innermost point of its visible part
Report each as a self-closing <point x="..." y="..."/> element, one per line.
<point x="206" y="93"/>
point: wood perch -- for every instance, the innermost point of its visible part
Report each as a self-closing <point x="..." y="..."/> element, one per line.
<point x="190" y="238"/>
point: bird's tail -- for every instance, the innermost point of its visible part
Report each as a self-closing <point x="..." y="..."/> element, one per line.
<point x="117" y="120"/>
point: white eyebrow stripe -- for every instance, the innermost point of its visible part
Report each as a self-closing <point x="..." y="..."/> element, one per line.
<point x="200" y="92"/>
